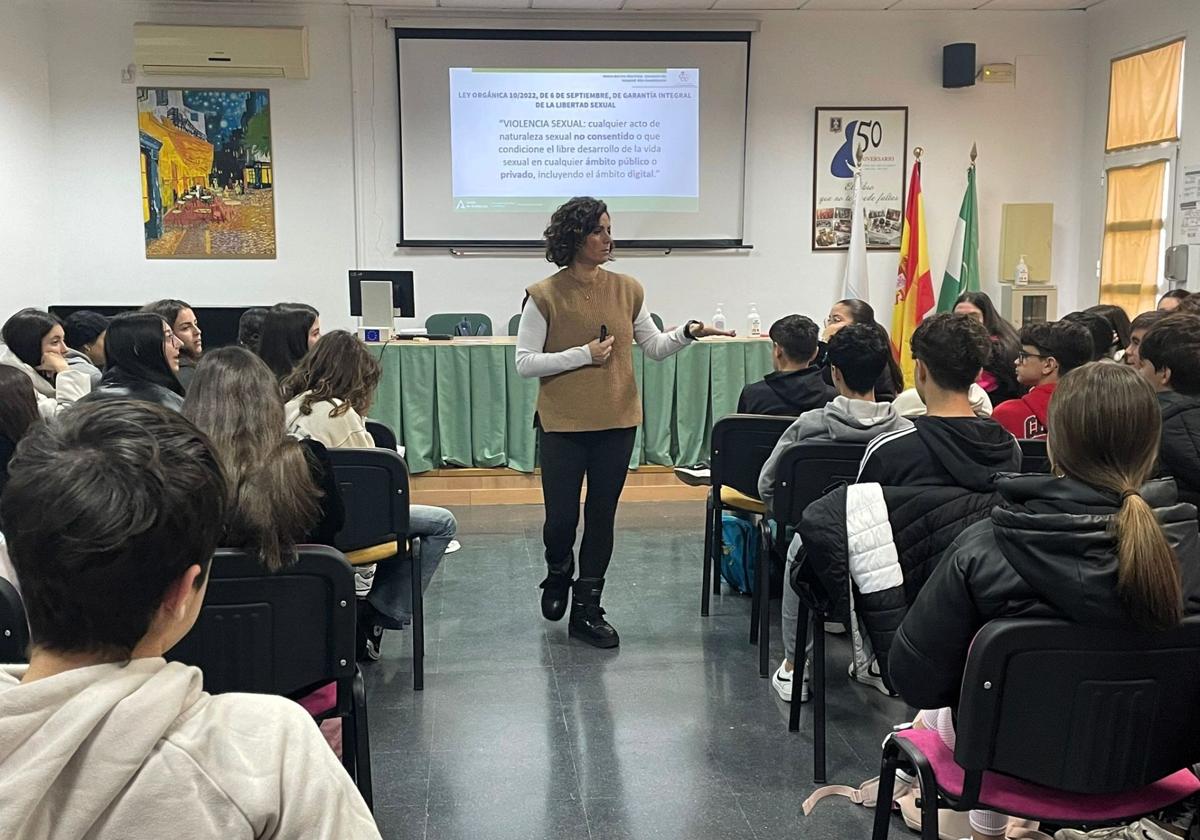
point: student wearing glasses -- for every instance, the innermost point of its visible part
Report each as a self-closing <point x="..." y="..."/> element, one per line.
<point x="1048" y="352"/>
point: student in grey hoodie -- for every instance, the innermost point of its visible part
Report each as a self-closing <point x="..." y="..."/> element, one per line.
<point x="857" y="355"/>
<point x="101" y="737"/>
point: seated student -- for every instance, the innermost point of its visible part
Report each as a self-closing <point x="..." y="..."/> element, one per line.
<point x="1170" y="362"/>
<point x="1048" y="352"/>
<point x="34" y="344"/>
<point x="100" y="736"/>
<point x="328" y="394"/>
<point x="250" y="327"/>
<point x="84" y="333"/>
<point x="854" y="311"/>
<point x="183" y="322"/>
<point x="288" y="331"/>
<point x="1098" y="328"/>
<point x="795" y="386"/>
<point x="1172" y="299"/>
<point x="1125" y="553"/>
<point x="1137" y="331"/>
<point x="909" y="403"/>
<point x="18" y="414"/>
<point x="1118" y="320"/>
<point x="857" y="356"/>
<point x="143" y="358"/>
<point x="997" y="377"/>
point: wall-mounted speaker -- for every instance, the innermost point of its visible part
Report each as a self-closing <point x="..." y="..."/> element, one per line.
<point x="958" y="65"/>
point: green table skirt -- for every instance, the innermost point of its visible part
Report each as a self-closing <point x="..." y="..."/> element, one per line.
<point x="462" y="404"/>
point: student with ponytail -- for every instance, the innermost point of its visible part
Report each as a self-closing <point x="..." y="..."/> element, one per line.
<point x="1099" y="543"/>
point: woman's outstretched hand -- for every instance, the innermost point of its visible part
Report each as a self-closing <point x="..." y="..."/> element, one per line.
<point x="704" y="330"/>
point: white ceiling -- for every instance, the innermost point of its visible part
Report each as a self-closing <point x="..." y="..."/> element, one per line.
<point x="696" y="5"/>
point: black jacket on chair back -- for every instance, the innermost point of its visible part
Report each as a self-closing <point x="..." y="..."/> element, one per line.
<point x="1046" y="551"/>
<point x="1179" y="456"/>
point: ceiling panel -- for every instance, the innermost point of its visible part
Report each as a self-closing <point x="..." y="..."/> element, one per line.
<point x="580" y="5"/>
<point x="757" y="5"/>
<point x="937" y="5"/>
<point x="667" y="4"/>
<point x="1039" y="5"/>
<point x="484" y="4"/>
<point x="851" y="5"/>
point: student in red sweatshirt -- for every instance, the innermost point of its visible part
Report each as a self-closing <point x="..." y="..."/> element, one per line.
<point x="1048" y="352"/>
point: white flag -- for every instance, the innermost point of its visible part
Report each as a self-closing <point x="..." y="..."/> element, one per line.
<point x="856" y="283"/>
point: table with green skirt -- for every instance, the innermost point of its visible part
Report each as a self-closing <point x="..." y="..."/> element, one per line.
<point x="461" y="403"/>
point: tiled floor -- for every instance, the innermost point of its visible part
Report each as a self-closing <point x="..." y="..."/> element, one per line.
<point x="522" y="733"/>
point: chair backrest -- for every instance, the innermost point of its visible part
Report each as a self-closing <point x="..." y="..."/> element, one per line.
<point x="513" y="323"/>
<point x="1034" y="456"/>
<point x="809" y="470"/>
<point x="741" y="444"/>
<point x="374" y="487"/>
<point x="447" y="323"/>
<point x="280" y="632"/>
<point x="14" y="628"/>
<point x="1080" y="709"/>
<point x="382" y="434"/>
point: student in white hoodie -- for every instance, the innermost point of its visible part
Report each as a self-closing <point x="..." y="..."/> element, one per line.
<point x="100" y="737"/>
<point x="858" y="355"/>
<point x="34" y="343"/>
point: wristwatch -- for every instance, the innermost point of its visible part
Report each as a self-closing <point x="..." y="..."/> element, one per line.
<point x="687" y="329"/>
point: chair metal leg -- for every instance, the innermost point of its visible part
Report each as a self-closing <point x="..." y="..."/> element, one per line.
<point x="418" y="621"/>
<point x="362" y="740"/>
<point x="798" y="666"/>
<point x="718" y="540"/>
<point x="887" y="787"/>
<point x="818" y="696"/>
<point x="762" y="594"/>
<point x="754" y="608"/>
<point x="708" y="554"/>
<point x="345" y="712"/>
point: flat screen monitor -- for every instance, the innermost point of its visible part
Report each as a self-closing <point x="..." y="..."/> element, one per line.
<point x="402" y="291"/>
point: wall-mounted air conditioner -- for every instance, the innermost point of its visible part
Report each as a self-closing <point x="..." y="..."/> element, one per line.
<point x="246" y="51"/>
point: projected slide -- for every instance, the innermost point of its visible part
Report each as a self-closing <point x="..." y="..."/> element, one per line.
<point x="524" y="140"/>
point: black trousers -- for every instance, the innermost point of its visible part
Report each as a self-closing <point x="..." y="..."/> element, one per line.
<point x="566" y="457"/>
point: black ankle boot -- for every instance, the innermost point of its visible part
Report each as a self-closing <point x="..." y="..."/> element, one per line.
<point x="556" y="588"/>
<point x="587" y="618"/>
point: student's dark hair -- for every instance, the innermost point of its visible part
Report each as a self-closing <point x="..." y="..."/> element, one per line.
<point x="1145" y="321"/>
<point x="134" y="346"/>
<point x="337" y="368"/>
<point x="862" y="312"/>
<point x="250" y="326"/>
<point x="83" y="328"/>
<point x="570" y="226"/>
<point x="167" y="308"/>
<point x="797" y="336"/>
<point x="284" y="338"/>
<point x="1189" y="305"/>
<point x="1068" y="342"/>
<point x="18" y="403"/>
<point x="1118" y="319"/>
<point x="998" y="328"/>
<point x="861" y="354"/>
<point x="953" y="347"/>
<point x="273" y="501"/>
<point x="1104" y="428"/>
<point x="23" y="333"/>
<point x="138" y="497"/>
<point x="1098" y="328"/>
<point x="1174" y="343"/>
<point x="1177" y="294"/>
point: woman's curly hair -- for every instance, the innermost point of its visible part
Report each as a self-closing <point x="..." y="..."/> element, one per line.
<point x="569" y="226"/>
<point x="338" y="367"/>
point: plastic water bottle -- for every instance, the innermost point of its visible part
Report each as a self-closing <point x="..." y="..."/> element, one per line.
<point x="753" y="322"/>
<point x="1022" y="278"/>
<point x="718" y="319"/>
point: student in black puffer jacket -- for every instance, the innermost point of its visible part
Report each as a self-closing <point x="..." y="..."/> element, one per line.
<point x="1172" y="367"/>
<point x="1100" y="544"/>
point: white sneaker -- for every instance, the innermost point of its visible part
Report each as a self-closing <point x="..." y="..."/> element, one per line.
<point x="781" y="681"/>
<point x="871" y="676"/>
<point x="452" y="546"/>
<point x="1133" y="831"/>
<point x="364" y="579"/>
<point x="699" y="475"/>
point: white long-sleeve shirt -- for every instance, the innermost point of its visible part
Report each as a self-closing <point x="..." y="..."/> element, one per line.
<point x="533" y="361"/>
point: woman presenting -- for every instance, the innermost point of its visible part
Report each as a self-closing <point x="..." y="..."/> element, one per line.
<point x="576" y="334"/>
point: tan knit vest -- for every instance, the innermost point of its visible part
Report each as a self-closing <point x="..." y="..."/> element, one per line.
<point x="596" y="396"/>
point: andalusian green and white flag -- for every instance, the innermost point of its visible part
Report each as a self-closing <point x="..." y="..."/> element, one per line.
<point x="962" y="268"/>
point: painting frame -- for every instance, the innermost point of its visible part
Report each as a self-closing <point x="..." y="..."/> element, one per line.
<point x="207" y="172"/>
<point x="884" y="168"/>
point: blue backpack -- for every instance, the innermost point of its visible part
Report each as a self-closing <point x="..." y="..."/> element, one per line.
<point x="739" y="548"/>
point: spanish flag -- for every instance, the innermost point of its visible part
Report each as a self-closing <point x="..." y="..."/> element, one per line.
<point x="914" y="286"/>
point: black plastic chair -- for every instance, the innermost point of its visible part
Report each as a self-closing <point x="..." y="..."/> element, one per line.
<point x="1062" y="720"/>
<point x="1034" y="456"/>
<point x="741" y="444"/>
<point x="514" y="323"/>
<point x="375" y="490"/>
<point x="383" y="435"/>
<point x="805" y="473"/>
<point x="285" y="633"/>
<point x="14" y="628"/>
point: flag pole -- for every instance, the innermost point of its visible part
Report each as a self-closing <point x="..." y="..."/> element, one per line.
<point x="974" y="154"/>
